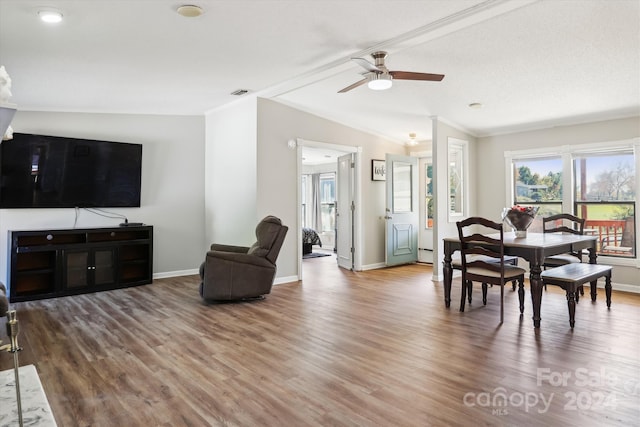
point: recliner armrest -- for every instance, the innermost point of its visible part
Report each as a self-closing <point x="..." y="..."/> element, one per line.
<point x="242" y="258"/>
<point x="229" y="248"/>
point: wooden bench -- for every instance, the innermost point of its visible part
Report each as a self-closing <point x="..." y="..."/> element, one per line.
<point x="571" y="277"/>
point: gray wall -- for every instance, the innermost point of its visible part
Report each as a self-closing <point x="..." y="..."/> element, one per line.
<point x="277" y="174"/>
<point x="444" y="226"/>
<point x="172" y="182"/>
<point x="491" y="172"/>
<point x="251" y="172"/>
<point x="231" y="183"/>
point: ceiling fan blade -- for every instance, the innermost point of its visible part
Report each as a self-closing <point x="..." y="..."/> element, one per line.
<point x="408" y="75"/>
<point x="353" y="86"/>
<point x="367" y="65"/>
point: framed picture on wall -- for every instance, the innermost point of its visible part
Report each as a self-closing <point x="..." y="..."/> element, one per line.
<point x="378" y="171"/>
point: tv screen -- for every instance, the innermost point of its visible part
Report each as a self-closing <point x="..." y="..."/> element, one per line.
<point x="38" y="171"/>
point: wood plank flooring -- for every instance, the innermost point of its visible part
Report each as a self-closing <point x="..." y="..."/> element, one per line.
<point x="341" y="348"/>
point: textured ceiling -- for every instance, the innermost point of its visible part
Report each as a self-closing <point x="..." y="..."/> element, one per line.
<point x="530" y="63"/>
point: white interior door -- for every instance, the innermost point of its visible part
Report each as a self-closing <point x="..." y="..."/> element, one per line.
<point x="402" y="210"/>
<point x="345" y="209"/>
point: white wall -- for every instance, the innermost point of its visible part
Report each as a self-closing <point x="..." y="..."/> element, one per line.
<point x="172" y="182"/>
<point x="443" y="225"/>
<point x="491" y="177"/>
<point x="231" y="162"/>
<point x="277" y="174"/>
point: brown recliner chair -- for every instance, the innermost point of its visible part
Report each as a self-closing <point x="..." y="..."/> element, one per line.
<point x="237" y="272"/>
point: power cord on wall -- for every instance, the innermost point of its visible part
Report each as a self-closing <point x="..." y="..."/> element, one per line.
<point x="104" y="214"/>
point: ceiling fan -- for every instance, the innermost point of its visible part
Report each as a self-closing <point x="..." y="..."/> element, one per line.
<point x="378" y="77"/>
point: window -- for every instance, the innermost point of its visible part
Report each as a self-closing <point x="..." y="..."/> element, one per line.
<point x="604" y="194"/>
<point x="457" y="160"/>
<point x="402" y="186"/>
<point x="319" y="189"/>
<point x="538" y="182"/>
<point x="601" y="180"/>
<point x="328" y="201"/>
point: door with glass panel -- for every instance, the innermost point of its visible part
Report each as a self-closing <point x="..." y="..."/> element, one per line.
<point x="402" y="210"/>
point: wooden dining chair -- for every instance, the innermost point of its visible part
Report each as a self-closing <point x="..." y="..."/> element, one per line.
<point x="456" y="264"/>
<point x="563" y="223"/>
<point x="483" y="260"/>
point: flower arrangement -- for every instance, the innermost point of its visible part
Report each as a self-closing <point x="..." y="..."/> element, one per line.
<point x="519" y="218"/>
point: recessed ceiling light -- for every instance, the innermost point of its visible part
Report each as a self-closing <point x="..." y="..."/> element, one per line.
<point x="50" y="16"/>
<point x="190" y="11"/>
<point x="475" y="105"/>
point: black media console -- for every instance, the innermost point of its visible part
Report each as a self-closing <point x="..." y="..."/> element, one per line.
<point x="53" y="263"/>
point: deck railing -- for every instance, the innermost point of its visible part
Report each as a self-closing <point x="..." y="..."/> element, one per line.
<point x="610" y="234"/>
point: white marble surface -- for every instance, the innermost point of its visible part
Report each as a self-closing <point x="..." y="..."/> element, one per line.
<point x="35" y="407"/>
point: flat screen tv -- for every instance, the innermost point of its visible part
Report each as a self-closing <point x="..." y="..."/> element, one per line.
<point x="38" y="171"/>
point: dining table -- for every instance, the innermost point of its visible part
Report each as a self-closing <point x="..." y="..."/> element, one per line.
<point x="534" y="248"/>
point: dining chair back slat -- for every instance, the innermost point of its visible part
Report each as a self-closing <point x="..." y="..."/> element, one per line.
<point x="563" y="223"/>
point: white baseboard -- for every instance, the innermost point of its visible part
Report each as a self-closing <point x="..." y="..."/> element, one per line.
<point x="176" y="273"/>
<point x="286" y="279"/>
<point x="373" y="266"/>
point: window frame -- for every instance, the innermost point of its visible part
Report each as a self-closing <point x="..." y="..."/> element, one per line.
<point x="568" y="153"/>
<point x="458" y="156"/>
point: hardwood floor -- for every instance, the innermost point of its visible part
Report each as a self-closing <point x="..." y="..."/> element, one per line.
<point x="374" y="348"/>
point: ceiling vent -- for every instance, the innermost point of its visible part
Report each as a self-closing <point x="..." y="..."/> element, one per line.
<point x="239" y="92"/>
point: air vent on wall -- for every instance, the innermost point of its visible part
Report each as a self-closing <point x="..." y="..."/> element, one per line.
<point x="239" y="92"/>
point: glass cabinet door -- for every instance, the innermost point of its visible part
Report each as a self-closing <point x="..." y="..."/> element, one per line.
<point x="103" y="267"/>
<point x="93" y="267"/>
<point x="76" y="272"/>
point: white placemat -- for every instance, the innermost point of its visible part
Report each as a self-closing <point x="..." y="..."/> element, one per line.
<point x="35" y="407"/>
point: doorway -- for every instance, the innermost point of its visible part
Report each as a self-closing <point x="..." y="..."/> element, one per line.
<point x="321" y="186"/>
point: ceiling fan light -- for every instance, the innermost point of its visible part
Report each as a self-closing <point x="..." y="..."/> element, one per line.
<point x="50" y="16"/>
<point x="380" y="82"/>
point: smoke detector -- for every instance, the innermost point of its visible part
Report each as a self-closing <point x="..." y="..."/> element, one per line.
<point x="190" y="11"/>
